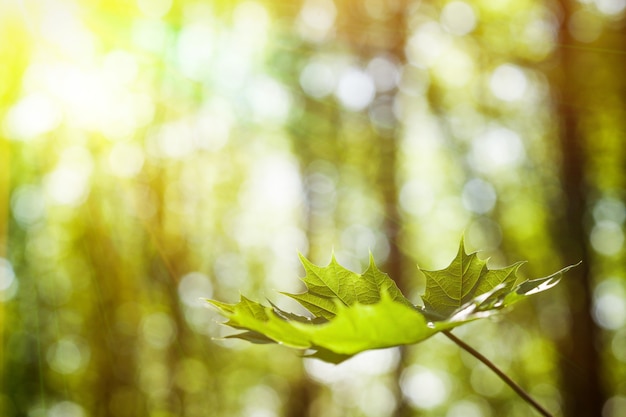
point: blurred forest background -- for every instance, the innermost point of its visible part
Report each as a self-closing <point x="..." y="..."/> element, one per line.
<point x="154" y="152"/>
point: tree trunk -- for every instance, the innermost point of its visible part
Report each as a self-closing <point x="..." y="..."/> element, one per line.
<point x="580" y="364"/>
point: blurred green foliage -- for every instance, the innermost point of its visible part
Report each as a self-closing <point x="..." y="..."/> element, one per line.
<point x="154" y="152"/>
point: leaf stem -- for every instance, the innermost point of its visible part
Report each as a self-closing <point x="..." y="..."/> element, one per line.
<point x="519" y="390"/>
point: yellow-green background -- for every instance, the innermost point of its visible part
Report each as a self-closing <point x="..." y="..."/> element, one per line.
<point x="159" y="151"/>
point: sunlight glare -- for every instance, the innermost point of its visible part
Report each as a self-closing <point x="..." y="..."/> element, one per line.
<point x="34" y="115"/>
<point x="61" y="26"/>
<point x="121" y="67"/>
<point x="151" y="35"/>
<point x="253" y="20"/>
<point x="195" y="51"/>
<point x="155" y="9"/>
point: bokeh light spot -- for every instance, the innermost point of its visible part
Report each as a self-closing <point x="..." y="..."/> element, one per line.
<point x="496" y="149"/>
<point x="191" y="375"/>
<point x="585" y="26"/>
<point x="126" y="159"/>
<point x="66" y="186"/>
<point x="609" y="209"/>
<point x="8" y="281"/>
<point x="69" y="184"/>
<point x="478" y="196"/>
<point x="194" y="286"/>
<point x="28" y="204"/>
<point x="427" y="44"/>
<point x="611" y="7"/>
<point x="172" y="140"/>
<point x="318" y="79"/>
<point x="270" y="101"/>
<point x="66" y="409"/>
<point x="423" y="387"/>
<point x="159" y="330"/>
<point x="455" y="68"/>
<point x="614" y="406"/>
<point x="508" y="82"/>
<point x="316" y="19"/>
<point x="607" y="238"/>
<point x="368" y="363"/>
<point x="609" y="304"/>
<point x="465" y="408"/>
<point x="356" y="89"/>
<point x="376" y="400"/>
<point x="417" y="197"/>
<point x="458" y="18"/>
<point x="485" y="382"/>
<point x="68" y="355"/>
<point x="384" y="72"/>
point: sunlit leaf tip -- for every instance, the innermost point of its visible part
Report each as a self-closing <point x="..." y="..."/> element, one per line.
<point x="352" y="312"/>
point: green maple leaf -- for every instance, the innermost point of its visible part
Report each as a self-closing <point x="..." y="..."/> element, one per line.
<point x="354" y="312"/>
<point x="332" y="286"/>
<point x="467" y="289"/>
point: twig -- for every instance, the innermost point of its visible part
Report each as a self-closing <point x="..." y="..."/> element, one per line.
<point x="519" y="390"/>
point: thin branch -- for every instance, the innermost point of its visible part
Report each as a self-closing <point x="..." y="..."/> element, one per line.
<point x="519" y="390"/>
